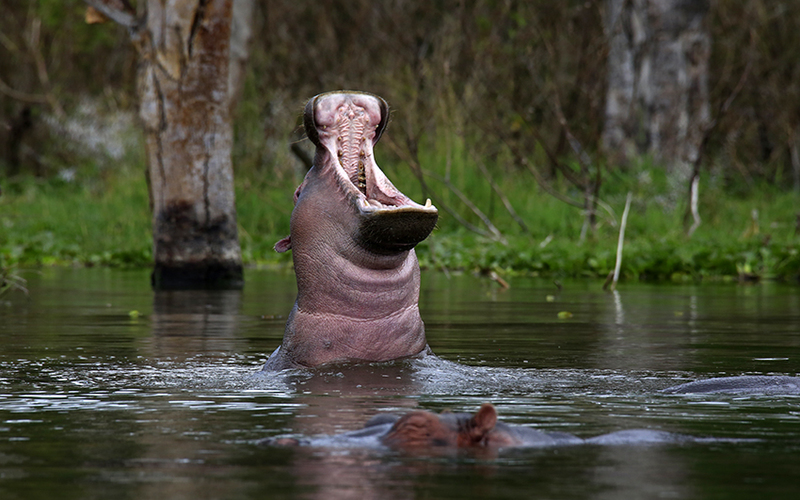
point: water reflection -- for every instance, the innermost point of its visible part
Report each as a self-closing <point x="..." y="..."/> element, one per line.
<point x="187" y="322"/>
<point x="641" y="472"/>
<point x="618" y="472"/>
<point x="98" y="402"/>
<point x="338" y="399"/>
<point x="164" y="437"/>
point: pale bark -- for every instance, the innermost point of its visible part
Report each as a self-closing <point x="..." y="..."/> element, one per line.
<point x="241" y="37"/>
<point x="183" y="85"/>
<point x="657" y="100"/>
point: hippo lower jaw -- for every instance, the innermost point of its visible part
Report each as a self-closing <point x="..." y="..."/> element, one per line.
<point x="394" y="229"/>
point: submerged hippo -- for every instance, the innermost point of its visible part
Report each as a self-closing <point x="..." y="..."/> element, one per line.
<point x="743" y="384"/>
<point x="352" y="239"/>
<point x="425" y="430"/>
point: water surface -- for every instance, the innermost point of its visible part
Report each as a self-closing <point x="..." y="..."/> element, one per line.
<point x="108" y="390"/>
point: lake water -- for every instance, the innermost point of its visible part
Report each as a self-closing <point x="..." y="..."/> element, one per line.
<point x="108" y="390"/>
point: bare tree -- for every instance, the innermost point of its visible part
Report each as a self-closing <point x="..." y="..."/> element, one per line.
<point x="184" y="105"/>
<point x="657" y="98"/>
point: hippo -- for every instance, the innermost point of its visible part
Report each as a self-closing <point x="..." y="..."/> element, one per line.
<point x="352" y="238"/>
<point x="425" y="430"/>
<point x="742" y="384"/>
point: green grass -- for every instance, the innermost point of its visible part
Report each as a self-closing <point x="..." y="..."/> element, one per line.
<point x="98" y="221"/>
<point x="103" y="219"/>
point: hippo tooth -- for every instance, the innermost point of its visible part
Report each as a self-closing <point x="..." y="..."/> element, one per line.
<point x="428" y="203"/>
<point x="362" y="177"/>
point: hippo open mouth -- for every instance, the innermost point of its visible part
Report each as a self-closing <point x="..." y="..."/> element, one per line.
<point x="345" y="126"/>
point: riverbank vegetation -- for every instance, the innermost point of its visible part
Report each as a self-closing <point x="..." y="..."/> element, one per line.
<point x="498" y="112"/>
<point x="102" y="218"/>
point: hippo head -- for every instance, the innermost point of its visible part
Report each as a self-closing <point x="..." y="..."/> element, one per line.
<point x="352" y="239"/>
<point x="345" y="127"/>
<point x="423" y="429"/>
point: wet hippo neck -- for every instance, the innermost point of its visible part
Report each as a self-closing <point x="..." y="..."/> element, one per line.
<point x="370" y="313"/>
<point x="342" y="339"/>
<point x="359" y="290"/>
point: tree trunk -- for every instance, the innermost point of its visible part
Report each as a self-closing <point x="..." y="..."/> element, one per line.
<point x="183" y="89"/>
<point x="657" y="100"/>
<point x="241" y="36"/>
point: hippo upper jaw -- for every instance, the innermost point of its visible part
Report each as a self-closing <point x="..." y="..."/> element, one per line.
<point x="345" y="127"/>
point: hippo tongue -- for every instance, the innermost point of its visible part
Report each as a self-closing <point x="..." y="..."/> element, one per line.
<point x="347" y="126"/>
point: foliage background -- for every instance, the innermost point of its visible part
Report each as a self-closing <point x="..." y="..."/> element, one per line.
<point x="475" y="88"/>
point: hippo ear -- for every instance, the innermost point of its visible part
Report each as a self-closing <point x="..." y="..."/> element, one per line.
<point x="483" y="422"/>
<point x="308" y="121"/>
<point x="284" y="244"/>
<point x="486" y="418"/>
<point x="384" y="119"/>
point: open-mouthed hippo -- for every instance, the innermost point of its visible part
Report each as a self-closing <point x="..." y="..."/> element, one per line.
<point x="352" y="238"/>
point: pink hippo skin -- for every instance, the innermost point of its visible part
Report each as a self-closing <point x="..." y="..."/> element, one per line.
<point x="352" y="238"/>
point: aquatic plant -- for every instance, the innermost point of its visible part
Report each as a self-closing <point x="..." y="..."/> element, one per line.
<point x="9" y="281"/>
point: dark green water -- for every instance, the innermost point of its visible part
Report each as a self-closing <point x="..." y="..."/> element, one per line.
<point x="96" y="402"/>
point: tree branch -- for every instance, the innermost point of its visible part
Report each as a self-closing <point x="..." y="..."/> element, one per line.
<point x="41" y="67"/>
<point x="694" y="180"/>
<point x="413" y="163"/>
<point x="21" y="96"/>
<point x="502" y="196"/>
<point x="466" y="201"/>
<point x="620" y="242"/>
<point x="119" y="11"/>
